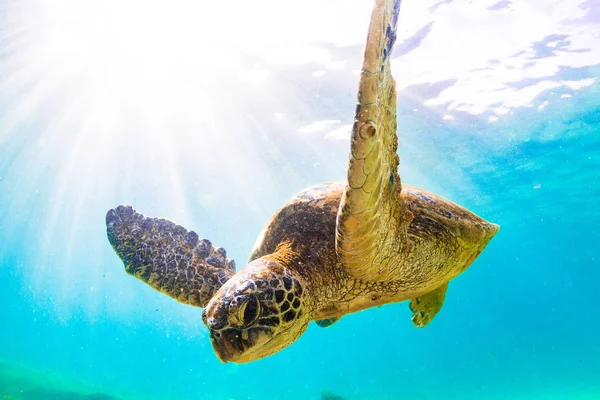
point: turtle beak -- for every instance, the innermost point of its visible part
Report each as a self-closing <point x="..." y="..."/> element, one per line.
<point x="239" y="345"/>
<point x="227" y="344"/>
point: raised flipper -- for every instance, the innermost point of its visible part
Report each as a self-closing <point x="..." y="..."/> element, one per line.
<point x="373" y="217"/>
<point x="168" y="257"/>
<point x="326" y="323"/>
<point x="425" y="307"/>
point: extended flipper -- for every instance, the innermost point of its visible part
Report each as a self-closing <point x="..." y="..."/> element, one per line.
<point x="425" y="307"/>
<point x="373" y="217"/>
<point x="168" y="257"/>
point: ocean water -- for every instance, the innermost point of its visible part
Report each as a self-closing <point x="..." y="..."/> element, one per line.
<point x="215" y="114"/>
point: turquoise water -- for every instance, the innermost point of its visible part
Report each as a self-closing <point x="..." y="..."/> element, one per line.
<point x="498" y="110"/>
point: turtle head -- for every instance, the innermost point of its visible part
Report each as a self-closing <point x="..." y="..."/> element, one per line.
<point x="258" y="312"/>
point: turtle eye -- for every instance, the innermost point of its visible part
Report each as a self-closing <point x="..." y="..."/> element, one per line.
<point x="248" y="312"/>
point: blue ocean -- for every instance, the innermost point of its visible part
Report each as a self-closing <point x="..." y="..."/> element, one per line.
<point x="214" y="114"/>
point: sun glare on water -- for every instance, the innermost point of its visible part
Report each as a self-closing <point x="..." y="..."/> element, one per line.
<point x="97" y="96"/>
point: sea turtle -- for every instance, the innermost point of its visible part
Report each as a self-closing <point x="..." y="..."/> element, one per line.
<point x="332" y="250"/>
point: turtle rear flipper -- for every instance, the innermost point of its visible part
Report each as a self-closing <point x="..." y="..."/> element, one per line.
<point x="425" y="307"/>
<point x="326" y="323"/>
<point x="167" y="256"/>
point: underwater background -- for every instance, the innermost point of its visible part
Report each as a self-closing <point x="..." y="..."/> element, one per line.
<point x="214" y="115"/>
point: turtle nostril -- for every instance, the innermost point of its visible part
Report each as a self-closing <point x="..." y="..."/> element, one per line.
<point x="213" y="323"/>
<point x="204" y="316"/>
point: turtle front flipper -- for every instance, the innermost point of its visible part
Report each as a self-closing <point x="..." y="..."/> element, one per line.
<point x="425" y="307"/>
<point x="373" y="217"/>
<point x="168" y="257"/>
